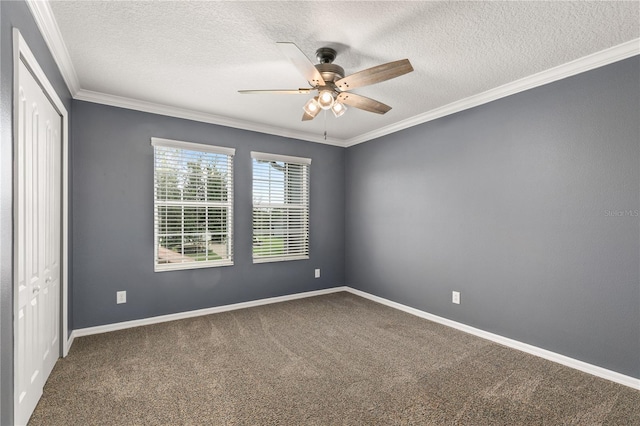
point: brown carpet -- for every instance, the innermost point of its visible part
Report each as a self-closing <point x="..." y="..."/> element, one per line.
<point x="330" y="360"/>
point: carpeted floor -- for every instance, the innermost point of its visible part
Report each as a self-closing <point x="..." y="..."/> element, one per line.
<point x="330" y="360"/>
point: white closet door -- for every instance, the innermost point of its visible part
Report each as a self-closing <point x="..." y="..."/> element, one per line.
<point x="38" y="249"/>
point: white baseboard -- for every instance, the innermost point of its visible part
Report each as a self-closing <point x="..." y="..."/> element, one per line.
<point x="594" y="370"/>
<point x="190" y="314"/>
<point x="524" y="347"/>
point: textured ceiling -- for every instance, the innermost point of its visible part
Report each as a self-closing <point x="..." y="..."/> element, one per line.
<point x="196" y="55"/>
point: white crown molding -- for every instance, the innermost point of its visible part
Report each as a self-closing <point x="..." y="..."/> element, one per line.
<point x="171" y="111"/>
<point x="586" y="63"/>
<point x="43" y="15"/>
<point x="585" y="367"/>
<point x="46" y="22"/>
<point x="595" y="60"/>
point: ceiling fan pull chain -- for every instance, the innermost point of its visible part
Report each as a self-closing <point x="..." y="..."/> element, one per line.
<point x="325" y="124"/>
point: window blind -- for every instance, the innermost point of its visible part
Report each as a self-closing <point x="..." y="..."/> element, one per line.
<point x="193" y="208"/>
<point x="280" y="207"/>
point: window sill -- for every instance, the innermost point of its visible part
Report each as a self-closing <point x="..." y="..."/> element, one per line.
<point x="278" y="259"/>
<point x="193" y="265"/>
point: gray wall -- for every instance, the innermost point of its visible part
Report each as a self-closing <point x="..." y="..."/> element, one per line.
<point x="113" y="219"/>
<point x="14" y="14"/>
<point x="513" y="204"/>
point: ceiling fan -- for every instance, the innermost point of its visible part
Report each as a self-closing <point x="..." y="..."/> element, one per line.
<point x="328" y="80"/>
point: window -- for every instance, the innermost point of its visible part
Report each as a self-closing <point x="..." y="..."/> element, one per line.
<point x="280" y="207"/>
<point x="193" y="208"/>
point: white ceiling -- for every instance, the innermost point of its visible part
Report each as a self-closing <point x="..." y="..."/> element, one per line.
<point x="193" y="56"/>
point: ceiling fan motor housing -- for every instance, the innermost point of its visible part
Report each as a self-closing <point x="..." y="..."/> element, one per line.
<point x="329" y="71"/>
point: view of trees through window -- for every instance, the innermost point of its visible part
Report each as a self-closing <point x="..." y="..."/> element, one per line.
<point x="193" y="206"/>
<point x="280" y="209"/>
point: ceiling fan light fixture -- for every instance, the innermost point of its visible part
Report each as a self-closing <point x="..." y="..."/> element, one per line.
<point x="325" y="99"/>
<point x="338" y="109"/>
<point x="312" y="107"/>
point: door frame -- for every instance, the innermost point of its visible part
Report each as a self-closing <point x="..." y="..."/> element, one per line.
<point x="22" y="52"/>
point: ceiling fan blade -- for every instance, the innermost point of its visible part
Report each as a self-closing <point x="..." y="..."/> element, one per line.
<point x="375" y="75"/>
<point x="304" y="65"/>
<point x="362" y="102"/>
<point x="307" y="117"/>
<point x="276" y="91"/>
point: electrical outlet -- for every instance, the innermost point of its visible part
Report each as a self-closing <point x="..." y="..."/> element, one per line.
<point x="121" y="297"/>
<point x="317" y="273"/>
<point x="455" y="297"/>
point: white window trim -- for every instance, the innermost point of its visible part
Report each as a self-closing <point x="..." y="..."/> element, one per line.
<point x="170" y="143"/>
<point x="278" y="259"/>
<point x="193" y="265"/>
<point x="277" y="157"/>
<point x="287" y="159"/>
